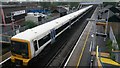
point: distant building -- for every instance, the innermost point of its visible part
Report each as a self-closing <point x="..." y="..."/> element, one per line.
<point x="62" y="10"/>
<point x="114" y="13"/>
<point x="17" y="11"/>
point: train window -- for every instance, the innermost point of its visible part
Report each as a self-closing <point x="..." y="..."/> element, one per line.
<point x="44" y="40"/>
<point x="61" y="28"/>
<point x="35" y="45"/>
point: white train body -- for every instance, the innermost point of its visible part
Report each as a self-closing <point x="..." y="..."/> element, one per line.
<point x="31" y="42"/>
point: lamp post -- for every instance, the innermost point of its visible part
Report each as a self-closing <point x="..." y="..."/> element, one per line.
<point x="12" y="22"/>
<point x="107" y="22"/>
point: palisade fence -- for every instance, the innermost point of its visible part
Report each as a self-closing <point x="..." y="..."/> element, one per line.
<point x="7" y="33"/>
<point x="113" y="39"/>
<point x="114" y="44"/>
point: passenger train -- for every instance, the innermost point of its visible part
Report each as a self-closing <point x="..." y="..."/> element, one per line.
<point x="28" y="44"/>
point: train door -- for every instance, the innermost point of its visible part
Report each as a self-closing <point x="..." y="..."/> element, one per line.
<point x="52" y="35"/>
<point x="70" y="23"/>
<point x="36" y="48"/>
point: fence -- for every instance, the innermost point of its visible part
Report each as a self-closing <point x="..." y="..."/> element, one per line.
<point x="114" y="44"/>
<point x="113" y="39"/>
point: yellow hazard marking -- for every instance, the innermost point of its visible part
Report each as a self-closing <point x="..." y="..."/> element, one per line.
<point x="109" y="61"/>
<point x="83" y="48"/>
<point x="116" y="51"/>
<point x="104" y="54"/>
<point x="100" y="23"/>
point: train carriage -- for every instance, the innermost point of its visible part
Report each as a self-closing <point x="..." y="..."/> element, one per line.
<point x="28" y="44"/>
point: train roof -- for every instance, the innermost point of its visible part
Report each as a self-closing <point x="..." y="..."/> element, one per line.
<point x="41" y="30"/>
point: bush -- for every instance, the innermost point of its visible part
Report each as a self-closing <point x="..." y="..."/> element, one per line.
<point x="109" y="45"/>
<point x="30" y="24"/>
<point x="109" y="48"/>
<point x="118" y="41"/>
<point x="112" y="56"/>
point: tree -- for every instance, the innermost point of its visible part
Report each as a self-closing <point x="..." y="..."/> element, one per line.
<point x="30" y="24"/>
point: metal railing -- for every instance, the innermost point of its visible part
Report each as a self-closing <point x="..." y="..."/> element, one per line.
<point x="114" y="44"/>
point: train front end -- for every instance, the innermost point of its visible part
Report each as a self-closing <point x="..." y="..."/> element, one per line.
<point x="20" y="50"/>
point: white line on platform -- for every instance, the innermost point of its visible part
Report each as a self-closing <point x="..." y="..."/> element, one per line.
<point x="5" y="60"/>
<point x="90" y="47"/>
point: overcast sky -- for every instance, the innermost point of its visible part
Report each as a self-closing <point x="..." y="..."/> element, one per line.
<point x="63" y="0"/>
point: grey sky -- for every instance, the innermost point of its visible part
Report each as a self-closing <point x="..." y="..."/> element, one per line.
<point x="63" y="0"/>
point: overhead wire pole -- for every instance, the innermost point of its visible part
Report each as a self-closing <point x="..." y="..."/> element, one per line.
<point x="12" y="22"/>
<point x="107" y="22"/>
<point x="3" y="16"/>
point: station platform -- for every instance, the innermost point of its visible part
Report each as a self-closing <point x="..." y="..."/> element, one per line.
<point x="81" y="53"/>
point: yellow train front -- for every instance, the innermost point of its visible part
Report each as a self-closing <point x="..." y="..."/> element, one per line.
<point x="20" y="50"/>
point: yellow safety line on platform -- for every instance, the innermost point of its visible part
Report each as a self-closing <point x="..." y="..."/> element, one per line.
<point x="109" y="61"/>
<point x="100" y="23"/>
<point x="97" y="57"/>
<point x="83" y="48"/>
<point x="97" y="52"/>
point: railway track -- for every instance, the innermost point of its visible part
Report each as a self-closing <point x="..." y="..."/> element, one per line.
<point x="53" y="50"/>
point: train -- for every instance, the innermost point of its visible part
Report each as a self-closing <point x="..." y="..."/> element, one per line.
<point x="29" y="43"/>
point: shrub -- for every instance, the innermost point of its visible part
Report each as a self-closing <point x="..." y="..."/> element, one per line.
<point x="30" y="24"/>
<point x="109" y="45"/>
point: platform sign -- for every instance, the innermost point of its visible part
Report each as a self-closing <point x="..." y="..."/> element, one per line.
<point x="15" y="13"/>
<point x="52" y="35"/>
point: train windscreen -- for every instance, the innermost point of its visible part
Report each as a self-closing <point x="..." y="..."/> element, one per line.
<point x="19" y="48"/>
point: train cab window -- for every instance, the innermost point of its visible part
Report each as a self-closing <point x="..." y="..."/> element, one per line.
<point x="20" y="48"/>
<point x="35" y="45"/>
